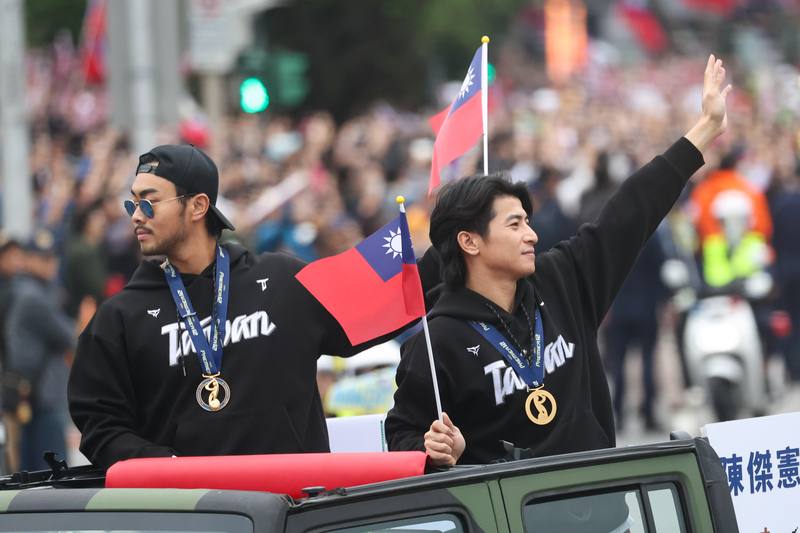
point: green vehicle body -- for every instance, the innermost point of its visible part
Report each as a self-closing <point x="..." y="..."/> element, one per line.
<point x="675" y="486"/>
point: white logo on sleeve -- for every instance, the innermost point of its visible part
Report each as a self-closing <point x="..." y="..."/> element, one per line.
<point x="474" y="349"/>
<point x="263" y="283"/>
<point x="154" y="312"/>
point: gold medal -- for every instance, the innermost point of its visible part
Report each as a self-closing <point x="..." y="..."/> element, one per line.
<point x="212" y="385"/>
<point x="24" y="412"/>
<point x="539" y="398"/>
<point x="24" y="409"/>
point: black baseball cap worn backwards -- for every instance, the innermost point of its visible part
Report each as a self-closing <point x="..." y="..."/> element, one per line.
<point x="188" y="168"/>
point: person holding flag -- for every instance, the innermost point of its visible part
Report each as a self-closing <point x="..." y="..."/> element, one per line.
<point x="212" y="350"/>
<point x="514" y="336"/>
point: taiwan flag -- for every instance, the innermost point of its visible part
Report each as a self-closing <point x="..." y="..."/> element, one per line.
<point x="463" y="125"/>
<point x="644" y="25"/>
<point x="93" y="44"/>
<point x="372" y="289"/>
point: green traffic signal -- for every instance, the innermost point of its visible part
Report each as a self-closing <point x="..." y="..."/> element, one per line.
<point x="254" y="97"/>
<point x="491" y="73"/>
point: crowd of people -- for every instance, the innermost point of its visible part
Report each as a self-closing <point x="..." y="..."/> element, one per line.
<point x="313" y="187"/>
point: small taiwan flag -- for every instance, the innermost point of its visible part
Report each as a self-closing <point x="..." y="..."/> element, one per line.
<point x="372" y="289"/>
<point x="463" y="125"/>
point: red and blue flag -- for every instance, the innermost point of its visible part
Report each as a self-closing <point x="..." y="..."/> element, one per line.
<point x="463" y="125"/>
<point x="93" y="46"/>
<point x="373" y="288"/>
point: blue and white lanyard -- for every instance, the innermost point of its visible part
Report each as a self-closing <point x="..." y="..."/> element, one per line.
<point x="532" y="373"/>
<point x="209" y="355"/>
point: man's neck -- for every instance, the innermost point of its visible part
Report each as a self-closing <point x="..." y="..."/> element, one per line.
<point x="498" y="290"/>
<point x="193" y="255"/>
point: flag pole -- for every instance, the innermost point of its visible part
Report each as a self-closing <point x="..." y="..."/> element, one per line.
<point x="433" y="368"/>
<point x="485" y="100"/>
<point x="401" y="203"/>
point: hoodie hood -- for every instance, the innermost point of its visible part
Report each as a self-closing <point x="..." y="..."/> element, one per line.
<point x="466" y="304"/>
<point x="150" y="276"/>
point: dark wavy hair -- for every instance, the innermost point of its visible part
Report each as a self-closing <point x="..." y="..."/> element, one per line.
<point x="466" y="205"/>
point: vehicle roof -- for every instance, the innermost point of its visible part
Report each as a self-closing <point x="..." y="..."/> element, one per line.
<point x="52" y="496"/>
<point x="267" y="511"/>
<point x="471" y="473"/>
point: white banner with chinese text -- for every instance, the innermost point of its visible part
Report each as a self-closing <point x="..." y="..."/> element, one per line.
<point x="761" y="457"/>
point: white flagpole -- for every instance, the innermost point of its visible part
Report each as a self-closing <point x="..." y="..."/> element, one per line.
<point x="485" y="100"/>
<point x="401" y="203"/>
<point x="433" y="367"/>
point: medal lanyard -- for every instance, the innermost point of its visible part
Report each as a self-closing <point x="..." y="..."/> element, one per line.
<point x="209" y="355"/>
<point x="531" y="372"/>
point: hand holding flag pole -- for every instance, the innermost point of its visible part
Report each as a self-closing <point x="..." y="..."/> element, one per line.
<point x="374" y="288"/>
<point x="401" y="203"/>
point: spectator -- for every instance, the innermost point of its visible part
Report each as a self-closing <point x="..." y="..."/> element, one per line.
<point x="552" y="224"/>
<point x="39" y="337"/>
<point x="787" y="267"/>
<point x="85" y="270"/>
<point x="593" y="200"/>
<point x="633" y="320"/>
<point x="11" y="264"/>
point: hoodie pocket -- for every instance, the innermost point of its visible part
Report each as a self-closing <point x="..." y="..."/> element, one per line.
<point x="233" y="433"/>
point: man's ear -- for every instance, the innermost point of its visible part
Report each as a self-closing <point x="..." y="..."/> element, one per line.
<point x="198" y="206"/>
<point x="469" y="242"/>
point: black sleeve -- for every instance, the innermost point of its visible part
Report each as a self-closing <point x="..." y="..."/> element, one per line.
<point x="414" y="407"/>
<point x="102" y="399"/>
<point x="603" y="253"/>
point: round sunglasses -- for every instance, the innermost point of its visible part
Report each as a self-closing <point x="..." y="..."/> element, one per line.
<point x="147" y="206"/>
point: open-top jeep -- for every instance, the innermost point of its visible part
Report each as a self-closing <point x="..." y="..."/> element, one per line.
<point x="676" y="486"/>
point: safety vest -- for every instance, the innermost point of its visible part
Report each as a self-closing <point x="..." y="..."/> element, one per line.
<point x="722" y="265"/>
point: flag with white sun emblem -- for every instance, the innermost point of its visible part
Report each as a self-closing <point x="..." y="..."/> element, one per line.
<point x="372" y="289"/>
<point x="463" y="125"/>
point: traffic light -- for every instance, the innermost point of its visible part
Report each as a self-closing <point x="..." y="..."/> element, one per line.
<point x="253" y="95"/>
<point x="278" y="78"/>
<point x="491" y="73"/>
<point x="290" y="72"/>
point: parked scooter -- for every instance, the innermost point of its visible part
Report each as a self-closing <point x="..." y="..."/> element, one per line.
<point x="722" y="346"/>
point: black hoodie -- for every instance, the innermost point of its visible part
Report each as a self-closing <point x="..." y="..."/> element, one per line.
<point x="573" y="286"/>
<point x="131" y="395"/>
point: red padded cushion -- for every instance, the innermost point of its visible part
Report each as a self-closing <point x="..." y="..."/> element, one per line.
<point x="282" y="474"/>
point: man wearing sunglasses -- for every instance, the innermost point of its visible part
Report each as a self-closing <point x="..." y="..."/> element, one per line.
<point x="210" y="351"/>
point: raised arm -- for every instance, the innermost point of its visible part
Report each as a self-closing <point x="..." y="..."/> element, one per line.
<point x="603" y="253"/>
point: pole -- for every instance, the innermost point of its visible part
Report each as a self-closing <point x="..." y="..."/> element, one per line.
<point x="401" y="203"/>
<point x="213" y="97"/>
<point x="17" y="190"/>
<point x="433" y="368"/>
<point x="485" y="100"/>
<point x="142" y="76"/>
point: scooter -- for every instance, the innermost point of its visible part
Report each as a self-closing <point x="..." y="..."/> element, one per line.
<point x="721" y="341"/>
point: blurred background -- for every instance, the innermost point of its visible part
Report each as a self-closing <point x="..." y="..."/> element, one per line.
<point x="316" y="114"/>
